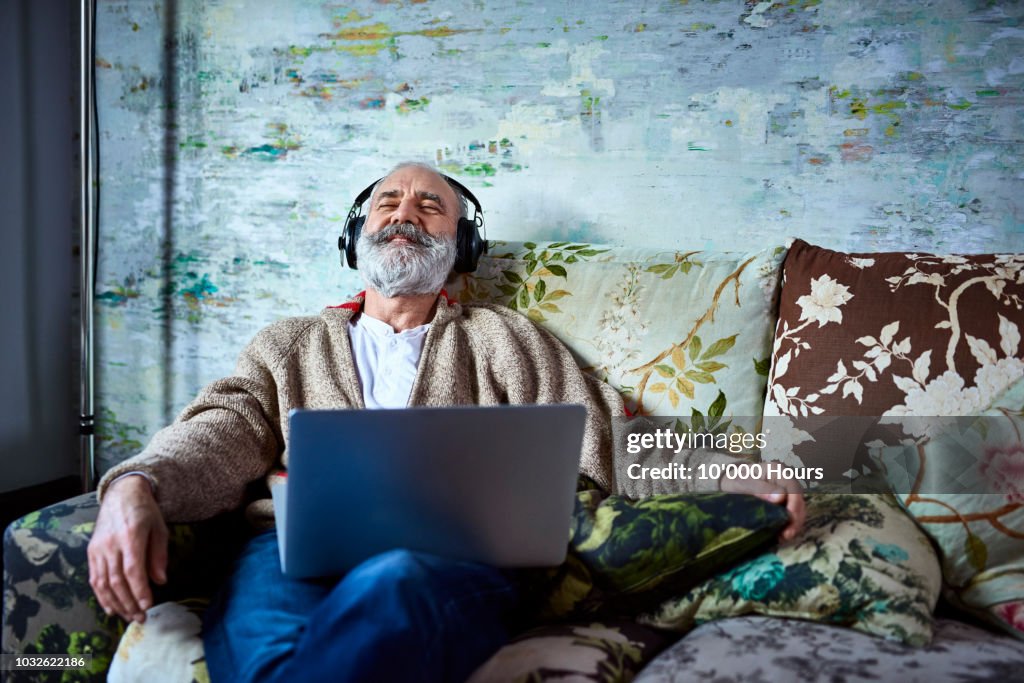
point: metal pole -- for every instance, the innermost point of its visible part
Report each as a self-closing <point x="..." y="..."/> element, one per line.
<point x="88" y="164"/>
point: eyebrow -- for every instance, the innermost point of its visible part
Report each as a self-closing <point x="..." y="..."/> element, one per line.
<point x="421" y="194"/>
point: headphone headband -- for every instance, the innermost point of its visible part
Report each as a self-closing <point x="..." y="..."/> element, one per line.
<point x="469" y="242"/>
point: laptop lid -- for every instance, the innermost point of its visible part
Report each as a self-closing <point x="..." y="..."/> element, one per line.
<point x="492" y="484"/>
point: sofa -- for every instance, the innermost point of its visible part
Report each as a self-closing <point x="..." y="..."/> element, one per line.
<point x="891" y="579"/>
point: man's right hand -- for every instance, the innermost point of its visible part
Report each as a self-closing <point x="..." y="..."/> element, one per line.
<point x="787" y="492"/>
<point x="128" y="547"/>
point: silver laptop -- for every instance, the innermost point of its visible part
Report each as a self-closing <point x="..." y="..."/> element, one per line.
<point x="491" y="484"/>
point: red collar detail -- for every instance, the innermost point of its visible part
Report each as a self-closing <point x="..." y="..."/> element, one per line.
<point x="355" y="304"/>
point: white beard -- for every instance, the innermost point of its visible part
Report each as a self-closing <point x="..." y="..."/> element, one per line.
<point x="419" y="266"/>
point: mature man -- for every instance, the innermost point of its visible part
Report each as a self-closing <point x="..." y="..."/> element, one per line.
<point x="401" y="615"/>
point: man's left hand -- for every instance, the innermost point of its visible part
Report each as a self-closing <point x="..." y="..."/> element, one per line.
<point x="787" y="492"/>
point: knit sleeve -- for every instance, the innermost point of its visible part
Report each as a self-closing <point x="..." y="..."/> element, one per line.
<point x="227" y="437"/>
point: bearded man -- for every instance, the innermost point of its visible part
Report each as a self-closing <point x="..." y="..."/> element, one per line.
<point x="401" y="615"/>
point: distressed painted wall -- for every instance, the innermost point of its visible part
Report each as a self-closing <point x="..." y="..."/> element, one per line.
<point x="234" y="135"/>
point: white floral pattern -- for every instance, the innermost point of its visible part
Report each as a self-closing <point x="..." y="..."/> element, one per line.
<point x="622" y="328"/>
<point x="822" y="304"/>
<point x="782" y="437"/>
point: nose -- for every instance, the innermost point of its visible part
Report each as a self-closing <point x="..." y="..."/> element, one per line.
<point x="405" y="213"/>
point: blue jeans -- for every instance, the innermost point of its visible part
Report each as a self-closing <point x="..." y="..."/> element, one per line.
<point x="399" y="616"/>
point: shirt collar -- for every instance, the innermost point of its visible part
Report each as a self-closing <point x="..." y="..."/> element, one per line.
<point x="447" y="307"/>
<point x="379" y="328"/>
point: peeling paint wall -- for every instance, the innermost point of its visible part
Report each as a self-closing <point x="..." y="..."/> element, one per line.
<point x="234" y="135"/>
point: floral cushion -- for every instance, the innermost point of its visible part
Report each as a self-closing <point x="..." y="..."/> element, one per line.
<point x="49" y="606"/>
<point x="758" y="648"/>
<point x="609" y="651"/>
<point x="1011" y="614"/>
<point x="913" y="337"/>
<point x="627" y="556"/>
<point x="895" y="333"/>
<point x="963" y="481"/>
<point x="674" y="331"/>
<point x="860" y="562"/>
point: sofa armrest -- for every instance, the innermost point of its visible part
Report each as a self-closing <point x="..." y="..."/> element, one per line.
<point x="49" y="606"/>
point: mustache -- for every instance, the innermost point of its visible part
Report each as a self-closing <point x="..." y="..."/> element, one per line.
<point x="406" y="230"/>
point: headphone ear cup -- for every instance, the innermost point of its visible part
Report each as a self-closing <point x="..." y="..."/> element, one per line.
<point x="468" y="246"/>
<point x="350" y="248"/>
<point x="347" y="242"/>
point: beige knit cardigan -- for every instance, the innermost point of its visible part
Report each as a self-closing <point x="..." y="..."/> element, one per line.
<point x="236" y="430"/>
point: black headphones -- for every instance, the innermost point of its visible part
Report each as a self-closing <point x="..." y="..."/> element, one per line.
<point x="469" y="242"/>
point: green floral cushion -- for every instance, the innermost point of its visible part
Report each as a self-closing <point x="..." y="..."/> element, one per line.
<point x="674" y="331"/>
<point x="49" y="606"/>
<point x="860" y="562"/>
<point x="626" y="556"/>
<point x="961" y="479"/>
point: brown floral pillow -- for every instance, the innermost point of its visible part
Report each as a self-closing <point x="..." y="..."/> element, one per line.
<point x="895" y="333"/>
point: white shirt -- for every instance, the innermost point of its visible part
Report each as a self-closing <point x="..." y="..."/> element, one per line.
<point x="386" y="360"/>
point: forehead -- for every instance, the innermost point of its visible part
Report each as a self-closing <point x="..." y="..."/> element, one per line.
<point x="414" y="179"/>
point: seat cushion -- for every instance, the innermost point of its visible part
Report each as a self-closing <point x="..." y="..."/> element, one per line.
<point x="608" y="651"/>
<point x="757" y="648"/>
<point x="168" y="648"/>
